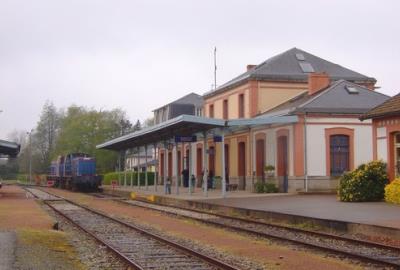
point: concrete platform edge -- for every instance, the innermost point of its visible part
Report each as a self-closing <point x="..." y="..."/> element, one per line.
<point x="305" y="222"/>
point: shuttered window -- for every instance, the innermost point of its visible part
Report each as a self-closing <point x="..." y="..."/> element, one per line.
<point x="241" y="106"/>
<point x="211" y="113"/>
<point x="225" y="109"/>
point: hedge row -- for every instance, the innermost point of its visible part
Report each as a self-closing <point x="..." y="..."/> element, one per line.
<point x="261" y="187"/>
<point x="22" y="177"/>
<point x="108" y="177"/>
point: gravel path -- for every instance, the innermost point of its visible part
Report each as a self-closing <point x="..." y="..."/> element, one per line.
<point x="7" y="249"/>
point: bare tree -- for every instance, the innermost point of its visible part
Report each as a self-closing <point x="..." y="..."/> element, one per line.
<point x="44" y="137"/>
<point x="148" y="122"/>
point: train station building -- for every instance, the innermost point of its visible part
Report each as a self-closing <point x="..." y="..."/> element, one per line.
<point x="386" y="134"/>
<point x="292" y="120"/>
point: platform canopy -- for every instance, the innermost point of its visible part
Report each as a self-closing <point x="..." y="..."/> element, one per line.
<point x="9" y="148"/>
<point x="188" y="125"/>
<point x="183" y="125"/>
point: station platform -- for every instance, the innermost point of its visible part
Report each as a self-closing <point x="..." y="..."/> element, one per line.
<point x="323" y="211"/>
<point x="197" y="193"/>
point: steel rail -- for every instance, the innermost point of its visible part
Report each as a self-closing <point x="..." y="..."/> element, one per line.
<point x="177" y="246"/>
<point x="109" y="247"/>
<point x="269" y="235"/>
<point x="257" y="222"/>
<point x="281" y="238"/>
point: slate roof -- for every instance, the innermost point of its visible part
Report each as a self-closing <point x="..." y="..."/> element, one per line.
<point x="191" y="98"/>
<point x="389" y="108"/>
<point x="335" y="99"/>
<point x="286" y="67"/>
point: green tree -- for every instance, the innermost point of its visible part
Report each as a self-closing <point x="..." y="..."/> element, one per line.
<point x="82" y="129"/>
<point x="44" y="137"/>
<point x="137" y="126"/>
<point x="148" y="122"/>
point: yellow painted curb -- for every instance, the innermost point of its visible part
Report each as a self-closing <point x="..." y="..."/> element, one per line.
<point x="151" y="198"/>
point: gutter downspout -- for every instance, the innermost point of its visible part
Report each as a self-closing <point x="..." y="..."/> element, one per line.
<point x="305" y="153"/>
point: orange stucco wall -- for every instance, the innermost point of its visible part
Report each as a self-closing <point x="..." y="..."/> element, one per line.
<point x="259" y="96"/>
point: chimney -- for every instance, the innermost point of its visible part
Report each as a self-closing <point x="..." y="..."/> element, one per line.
<point x="250" y="67"/>
<point x="317" y="82"/>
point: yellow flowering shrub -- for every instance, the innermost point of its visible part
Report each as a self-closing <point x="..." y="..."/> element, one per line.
<point x="392" y="192"/>
<point x="364" y="184"/>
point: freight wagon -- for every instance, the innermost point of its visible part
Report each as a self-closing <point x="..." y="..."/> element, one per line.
<point x="75" y="171"/>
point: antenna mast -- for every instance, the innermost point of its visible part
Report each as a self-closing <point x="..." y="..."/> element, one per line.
<point x="215" y="68"/>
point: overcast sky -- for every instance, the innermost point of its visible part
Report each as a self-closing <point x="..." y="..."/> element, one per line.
<point x="139" y="55"/>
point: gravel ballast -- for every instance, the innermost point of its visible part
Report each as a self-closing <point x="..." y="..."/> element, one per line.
<point x="7" y="249"/>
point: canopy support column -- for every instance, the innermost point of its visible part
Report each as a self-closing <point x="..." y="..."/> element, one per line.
<point x="119" y="168"/>
<point x="189" y="165"/>
<point x="138" y="168"/>
<point x="223" y="192"/>
<point x="124" y="168"/>
<point x="145" y="176"/>
<point x="157" y="167"/>
<point x="176" y="169"/>
<point x="205" y="165"/>
<point x="131" y="166"/>
<point x="165" y="176"/>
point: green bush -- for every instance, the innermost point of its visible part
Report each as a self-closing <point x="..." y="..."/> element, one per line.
<point x="364" y="184"/>
<point x="270" y="188"/>
<point x="261" y="187"/>
<point x="22" y="178"/>
<point x="108" y="177"/>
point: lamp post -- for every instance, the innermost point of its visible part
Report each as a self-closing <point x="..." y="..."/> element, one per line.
<point x="30" y="155"/>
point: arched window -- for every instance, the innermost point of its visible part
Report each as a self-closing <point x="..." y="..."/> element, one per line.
<point x="339" y="154"/>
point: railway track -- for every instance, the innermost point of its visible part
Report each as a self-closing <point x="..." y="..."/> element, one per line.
<point x="365" y="251"/>
<point x="137" y="247"/>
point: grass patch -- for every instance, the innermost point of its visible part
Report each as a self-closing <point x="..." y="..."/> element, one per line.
<point x="48" y="247"/>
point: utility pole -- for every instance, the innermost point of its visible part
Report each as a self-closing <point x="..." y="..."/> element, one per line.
<point x="215" y="68"/>
<point x="30" y="155"/>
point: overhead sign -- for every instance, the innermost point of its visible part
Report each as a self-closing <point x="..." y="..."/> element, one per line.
<point x="217" y="138"/>
<point x="184" y="139"/>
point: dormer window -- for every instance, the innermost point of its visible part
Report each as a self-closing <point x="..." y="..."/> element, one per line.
<point x="306" y="67"/>
<point x="199" y="111"/>
<point x="351" y="90"/>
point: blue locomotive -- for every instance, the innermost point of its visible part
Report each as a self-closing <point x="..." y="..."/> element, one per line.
<point x="75" y="171"/>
